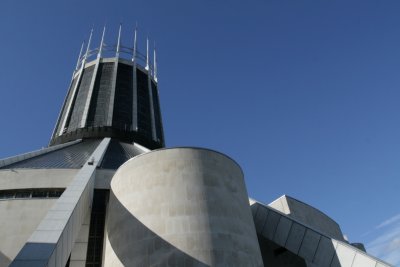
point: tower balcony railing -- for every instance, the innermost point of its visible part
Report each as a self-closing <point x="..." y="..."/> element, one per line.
<point x="109" y="51"/>
<point x="119" y="51"/>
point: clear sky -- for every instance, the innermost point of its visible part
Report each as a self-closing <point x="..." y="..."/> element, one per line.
<point x="304" y="95"/>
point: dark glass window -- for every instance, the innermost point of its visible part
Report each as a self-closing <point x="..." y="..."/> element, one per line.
<point x="39" y="194"/>
<point x="67" y="103"/>
<point x="7" y="194"/>
<point x="157" y="113"/>
<point x="31" y="193"/>
<point x="122" y="114"/>
<point x="55" y="193"/>
<point x="96" y="229"/>
<point x="22" y="194"/>
<point x="81" y="97"/>
<point x="98" y="110"/>
<point x="144" y="115"/>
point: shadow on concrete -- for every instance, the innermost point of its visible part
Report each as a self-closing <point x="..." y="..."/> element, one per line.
<point x="276" y="256"/>
<point x="285" y="242"/>
<point x="136" y="245"/>
<point x="4" y="260"/>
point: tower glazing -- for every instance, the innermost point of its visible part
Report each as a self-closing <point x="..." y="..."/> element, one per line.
<point x="112" y="97"/>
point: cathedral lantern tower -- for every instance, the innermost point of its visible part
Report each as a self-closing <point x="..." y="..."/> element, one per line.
<point x="106" y="191"/>
<point x="113" y="93"/>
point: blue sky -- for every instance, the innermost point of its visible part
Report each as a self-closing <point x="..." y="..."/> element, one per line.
<point x="304" y="95"/>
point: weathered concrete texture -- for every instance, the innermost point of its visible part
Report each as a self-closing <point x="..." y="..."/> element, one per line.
<point x="315" y="248"/>
<point x="79" y="250"/>
<point x="4" y="260"/>
<point x="181" y="207"/>
<point x="103" y="178"/>
<point x="35" y="178"/>
<point x="59" y="229"/>
<point x="308" y="215"/>
<point x="109" y="255"/>
<point x="18" y="220"/>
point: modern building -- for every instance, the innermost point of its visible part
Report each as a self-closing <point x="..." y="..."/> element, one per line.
<point x="106" y="191"/>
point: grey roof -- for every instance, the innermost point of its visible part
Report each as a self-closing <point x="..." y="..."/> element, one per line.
<point x="118" y="153"/>
<point x="73" y="157"/>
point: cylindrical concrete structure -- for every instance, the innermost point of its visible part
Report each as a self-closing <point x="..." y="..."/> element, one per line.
<point x="180" y="207"/>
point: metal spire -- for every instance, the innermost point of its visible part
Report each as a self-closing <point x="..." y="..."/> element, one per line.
<point x="155" y="63"/>
<point x="88" y="45"/>
<point x="119" y="40"/>
<point x="101" y="43"/>
<point x="134" y="44"/>
<point x="79" y="57"/>
<point x="147" y="54"/>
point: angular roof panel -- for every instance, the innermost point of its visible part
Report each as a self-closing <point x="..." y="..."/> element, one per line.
<point x="73" y="157"/>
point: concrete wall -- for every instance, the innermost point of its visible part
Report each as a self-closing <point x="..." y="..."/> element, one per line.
<point x="103" y="178"/>
<point x="79" y="250"/>
<point x="308" y="215"/>
<point x="181" y="207"/>
<point x="18" y="220"/>
<point x="36" y="178"/>
<point x="316" y="248"/>
<point x="52" y="241"/>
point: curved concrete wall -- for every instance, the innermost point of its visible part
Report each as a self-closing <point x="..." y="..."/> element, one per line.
<point x="181" y="207"/>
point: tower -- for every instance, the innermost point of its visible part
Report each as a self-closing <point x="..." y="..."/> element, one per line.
<point x="99" y="195"/>
<point x="106" y="191"/>
<point x="113" y="97"/>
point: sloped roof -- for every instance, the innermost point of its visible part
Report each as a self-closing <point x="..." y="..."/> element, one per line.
<point x="74" y="156"/>
<point x="118" y="153"/>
